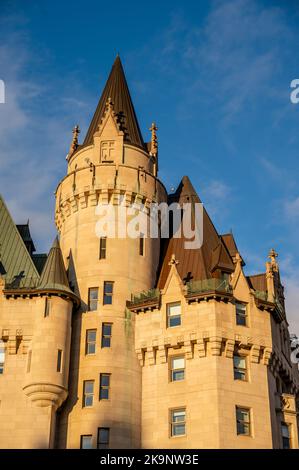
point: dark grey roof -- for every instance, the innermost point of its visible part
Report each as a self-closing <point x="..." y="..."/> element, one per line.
<point x="53" y="276"/>
<point x="117" y="89"/>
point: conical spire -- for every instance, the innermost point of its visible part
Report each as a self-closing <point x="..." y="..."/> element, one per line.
<point x="116" y="90"/>
<point x="54" y="276"/>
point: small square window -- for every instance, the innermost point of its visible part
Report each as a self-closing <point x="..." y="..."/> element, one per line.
<point x="174" y="314"/>
<point x="103" y="438"/>
<point x="240" y="367"/>
<point x="90" y="346"/>
<point x="243" y="421"/>
<point x="86" y="442"/>
<point x="178" y="422"/>
<point x="93" y="293"/>
<point x="241" y="314"/>
<point x="108" y="292"/>
<point x="177" y="368"/>
<point x="47" y="307"/>
<point x="104" y="386"/>
<point x="88" y="392"/>
<point x="106" y="335"/>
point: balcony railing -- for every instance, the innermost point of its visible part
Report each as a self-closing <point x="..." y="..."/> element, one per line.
<point x="208" y="285"/>
<point x="262" y="295"/>
<point x="145" y="296"/>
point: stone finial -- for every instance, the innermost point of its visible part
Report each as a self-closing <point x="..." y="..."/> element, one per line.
<point x="154" y="139"/>
<point x="272" y="256"/>
<point x="75" y="143"/>
<point x="173" y="261"/>
<point x="109" y="104"/>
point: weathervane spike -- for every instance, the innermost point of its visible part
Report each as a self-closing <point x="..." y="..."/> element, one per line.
<point x="75" y="142"/>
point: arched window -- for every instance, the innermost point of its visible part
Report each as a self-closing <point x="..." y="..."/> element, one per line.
<point x="2" y="356"/>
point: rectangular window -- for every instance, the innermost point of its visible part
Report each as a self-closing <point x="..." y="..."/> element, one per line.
<point x="178" y="422"/>
<point x="93" y="293"/>
<point x="286" y="438"/>
<point x="103" y="246"/>
<point x="47" y="307"/>
<point x="103" y="438"/>
<point x="88" y="391"/>
<point x="106" y="335"/>
<point x="240" y="368"/>
<point x="141" y="244"/>
<point x="1" y="368"/>
<point x="174" y="314"/>
<point x="104" y="386"/>
<point x="59" y="360"/>
<point x="177" y="368"/>
<point x="108" y="293"/>
<point x="243" y="421"/>
<point x="90" y="345"/>
<point x="241" y="314"/>
<point x="86" y="442"/>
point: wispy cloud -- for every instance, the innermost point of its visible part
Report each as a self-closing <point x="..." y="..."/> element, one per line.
<point x="35" y="131"/>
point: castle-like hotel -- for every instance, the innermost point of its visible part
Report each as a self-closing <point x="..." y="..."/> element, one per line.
<point x="137" y="342"/>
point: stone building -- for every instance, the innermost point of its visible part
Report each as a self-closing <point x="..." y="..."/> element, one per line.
<point x="138" y="342"/>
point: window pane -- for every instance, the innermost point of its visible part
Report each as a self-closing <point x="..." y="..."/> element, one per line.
<point x="104" y="393"/>
<point x="178" y="375"/>
<point x="240" y="362"/>
<point x="285" y="430"/>
<point x="178" y="363"/>
<point x="179" y="429"/>
<point x="88" y="400"/>
<point x="86" y="442"/>
<point x="91" y="348"/>
<point x="242" y="415"/>
<point x="105" y="379"/>
<point x="103" y="438"/>
<point x="88" y="387"/>
<point x="174" y="309"/>
<point x="175" y="321"/>
<point x="241" y="320"/>
<point x="178" y="415"/>
<point x="108" y="287"/>
<point x="106" y="342"/>
<point x="91" y="335"/>
<point x="107" y="329"/>
<point x="93" y="293"/>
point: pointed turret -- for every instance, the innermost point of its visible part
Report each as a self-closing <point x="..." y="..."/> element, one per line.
<point x="54" y="276"/>
<point x="116" y="90"/>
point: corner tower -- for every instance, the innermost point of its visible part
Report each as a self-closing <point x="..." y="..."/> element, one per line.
<point x="112" y="167"/>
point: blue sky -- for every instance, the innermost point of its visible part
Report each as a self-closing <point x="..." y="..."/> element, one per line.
<point x="214" y="75"/>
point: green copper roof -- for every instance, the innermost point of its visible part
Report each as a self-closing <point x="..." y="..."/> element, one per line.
<point x="54" y="275"/>
<point x="14" y="257"/>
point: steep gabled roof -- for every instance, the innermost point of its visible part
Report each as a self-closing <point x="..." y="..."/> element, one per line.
<point x="258" y="282"/>
<point x="117" y="89"/>
<point x="195" y="264"/>
<point x="54" y="276"/>
<point x="14" y="256"/>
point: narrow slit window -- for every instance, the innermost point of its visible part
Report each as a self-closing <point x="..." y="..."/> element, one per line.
<point x="141" y="244"/>
<point x="29" y="361"/>
<point x="47" y="307"/>
<point x="59" y="360"/>
<point x="2" y="357"/>
<point x="286" y="436"/>
<point x="241" y="314"/>
<point x="103" y="247"/>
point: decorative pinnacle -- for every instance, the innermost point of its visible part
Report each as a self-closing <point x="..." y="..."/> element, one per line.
<point x="110" y="104"/>
<point x="272" y="256"/>
<point x="154" y="139"/>
<point x="75" y="143"/>
<point x="173" y="261"/>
